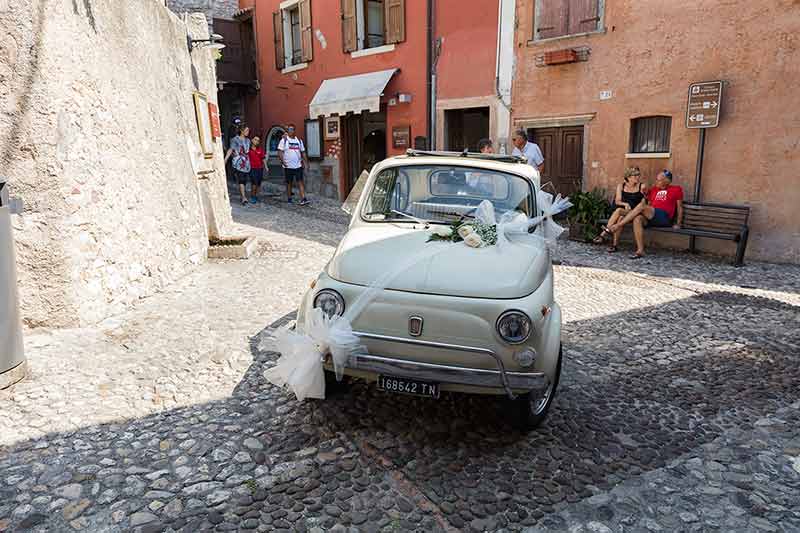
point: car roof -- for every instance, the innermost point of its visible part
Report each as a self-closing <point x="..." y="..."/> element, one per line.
<point x="522" y="170"/>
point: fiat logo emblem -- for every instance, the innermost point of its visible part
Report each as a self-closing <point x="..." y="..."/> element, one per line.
<point x="415" y="326"/>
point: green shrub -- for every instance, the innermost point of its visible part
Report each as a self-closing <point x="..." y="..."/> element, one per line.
<point x="587" y="208"/>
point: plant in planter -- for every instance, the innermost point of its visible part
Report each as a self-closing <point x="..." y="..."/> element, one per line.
<point x="587" y="208"/>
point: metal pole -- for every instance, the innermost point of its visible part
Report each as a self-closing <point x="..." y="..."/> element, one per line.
<point x="698" y="178"/>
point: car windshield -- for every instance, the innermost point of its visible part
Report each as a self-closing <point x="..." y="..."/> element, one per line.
<point x="441" y="194"/>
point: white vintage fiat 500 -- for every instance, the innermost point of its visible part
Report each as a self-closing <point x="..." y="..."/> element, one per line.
<point x="446" y="316"/>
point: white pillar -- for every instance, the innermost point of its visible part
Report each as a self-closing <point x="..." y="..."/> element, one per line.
<point x="505" y="72"/>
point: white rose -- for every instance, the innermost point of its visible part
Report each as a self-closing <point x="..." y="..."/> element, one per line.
<point x="473" y="240"/>
<point x="443" y="231"/>
<point x="465" y="230"/>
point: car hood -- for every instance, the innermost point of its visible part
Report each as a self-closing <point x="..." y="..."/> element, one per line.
<point x="412" y="264"/>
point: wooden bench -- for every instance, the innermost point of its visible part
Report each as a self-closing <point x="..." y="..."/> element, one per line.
<point x="713" y="221"/>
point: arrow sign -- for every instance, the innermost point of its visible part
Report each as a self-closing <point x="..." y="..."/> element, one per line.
<point x="704" y="104"/>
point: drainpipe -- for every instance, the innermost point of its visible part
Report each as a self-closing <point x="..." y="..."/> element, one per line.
<point x="431" y="82"/>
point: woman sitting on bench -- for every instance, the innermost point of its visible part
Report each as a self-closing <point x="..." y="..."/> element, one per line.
<point x="664" y="202"/>
<point x="630" y="193"/>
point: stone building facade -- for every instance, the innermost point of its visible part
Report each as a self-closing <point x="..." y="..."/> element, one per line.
<point x="614" y="95"/>
<point x="99" y="140"/>
<point x="212" y="9"/>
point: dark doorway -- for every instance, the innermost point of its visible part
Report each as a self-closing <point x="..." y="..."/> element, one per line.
<point x="364" y="144"/>
<point x="374" y="140"/>
<point x="374" y="148"/>
<point x="465" y="127"/>
<point x="562" y="149"/>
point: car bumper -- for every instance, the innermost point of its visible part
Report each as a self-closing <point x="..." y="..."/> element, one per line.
<point x="370" y="366"/>
<point x="451" y="377"/>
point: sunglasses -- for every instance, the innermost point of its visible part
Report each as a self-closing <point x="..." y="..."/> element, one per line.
<point x="667" y="173"/>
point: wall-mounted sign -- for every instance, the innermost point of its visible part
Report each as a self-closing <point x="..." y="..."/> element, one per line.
<point x="705" y="102"/>
<point x="204" y="125"/>
<point x="213" y="113"/>
<point x="401" y="137"/>
<point x="331" y="128"/>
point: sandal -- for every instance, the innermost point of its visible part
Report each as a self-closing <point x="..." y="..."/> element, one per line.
<point x="600" y="239"/>
<point x="611" y="249"/>
<point x="637" y="255"/>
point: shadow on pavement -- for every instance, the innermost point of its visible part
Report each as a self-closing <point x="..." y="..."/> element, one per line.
<point x="369" y="458"/>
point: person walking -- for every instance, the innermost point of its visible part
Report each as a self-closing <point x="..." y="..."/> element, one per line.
<point x="292" y="153"/>
<point x="257" y="155"/>
<point x="527" y="149"/>
<point x="239" y="153"/>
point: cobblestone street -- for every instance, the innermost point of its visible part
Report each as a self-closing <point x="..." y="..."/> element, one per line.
<point x="678" y="410"/>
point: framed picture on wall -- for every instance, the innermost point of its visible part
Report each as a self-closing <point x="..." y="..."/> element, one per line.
<point x="204" y="125"/>
<point x="313" y="139"/>
<point x="331" y="128"/>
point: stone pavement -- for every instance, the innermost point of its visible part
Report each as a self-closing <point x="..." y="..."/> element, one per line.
<point x="678" y="410"/>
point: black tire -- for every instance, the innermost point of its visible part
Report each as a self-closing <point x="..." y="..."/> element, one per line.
<point x="527" y="410"/>
<point x="333" y="387"/>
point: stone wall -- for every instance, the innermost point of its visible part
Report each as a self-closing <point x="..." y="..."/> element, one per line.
<point x="212" y="9"/>
<point x="99" y="141"/>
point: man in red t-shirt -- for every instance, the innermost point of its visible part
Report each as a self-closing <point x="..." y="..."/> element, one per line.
<point x="257" y="155"/>
<point x="664" y="205"/>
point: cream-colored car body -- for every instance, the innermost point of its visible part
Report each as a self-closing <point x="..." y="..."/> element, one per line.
<point x="459" y="294"/>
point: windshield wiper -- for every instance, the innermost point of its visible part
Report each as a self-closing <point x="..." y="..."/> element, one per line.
<point x="462" y="216"/>
<point x="415" y="219"/>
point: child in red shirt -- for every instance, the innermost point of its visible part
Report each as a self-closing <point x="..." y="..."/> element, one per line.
<point x="256" y="155"/>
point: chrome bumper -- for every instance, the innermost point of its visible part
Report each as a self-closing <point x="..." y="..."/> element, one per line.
<point x="439" y="373"/>
<point x="448" y="374"/>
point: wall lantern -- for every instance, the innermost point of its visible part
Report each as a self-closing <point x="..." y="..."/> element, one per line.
<point x="212" y="44"/>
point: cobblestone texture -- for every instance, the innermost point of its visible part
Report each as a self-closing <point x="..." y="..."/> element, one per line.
<point x="678" y="411"/>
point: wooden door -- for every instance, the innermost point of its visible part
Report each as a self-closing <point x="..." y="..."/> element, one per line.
<point x="352" y="131"/>
<point x="562" y="149"/>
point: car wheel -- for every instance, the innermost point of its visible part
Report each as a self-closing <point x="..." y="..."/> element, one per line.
<point x="530" y="410"/>
<point x="334" y="387"/>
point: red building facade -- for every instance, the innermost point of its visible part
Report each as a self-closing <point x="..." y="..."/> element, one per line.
<point x="336" y="56"/>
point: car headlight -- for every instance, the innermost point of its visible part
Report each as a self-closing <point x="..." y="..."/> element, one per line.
<point x="330" y="301"/>
<point x="514" y="327"/>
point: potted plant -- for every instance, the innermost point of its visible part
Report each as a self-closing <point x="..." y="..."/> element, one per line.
<point x="587" y="208"/>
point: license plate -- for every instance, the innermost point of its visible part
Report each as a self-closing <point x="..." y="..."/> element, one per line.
<point x="408" y="386"/>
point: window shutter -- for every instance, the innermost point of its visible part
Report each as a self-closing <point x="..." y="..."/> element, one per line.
<point x="349" y="26"/>
<point x="551" y="18"/>
<point x="584" y="16"/>
<point x="395" y="21"/>
<point x="277" y="26"/>
<point x="305" y="30"/>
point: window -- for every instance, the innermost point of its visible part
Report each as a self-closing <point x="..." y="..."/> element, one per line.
<point x="313" y="139"/>
<point x="650" y="135"/>
<point x="372" y="23"/>
<point x="559" y="18"/>
<point x="442" y="194"/>
<point x="293" y="40"/>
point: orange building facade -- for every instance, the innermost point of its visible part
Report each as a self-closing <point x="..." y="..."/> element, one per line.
<point x="602" y="85"/>
<point x="351" y="75"/>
